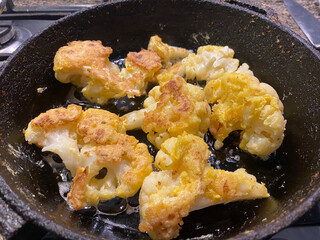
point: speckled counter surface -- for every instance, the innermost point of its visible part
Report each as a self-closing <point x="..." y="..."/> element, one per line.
<point x="283" y="14"/>
<point x="277" y="6"/>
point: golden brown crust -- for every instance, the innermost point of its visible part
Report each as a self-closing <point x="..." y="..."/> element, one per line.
<point x="86" y="64"/>
<point x="147" y="60"/>
<point x="127" y="161"/>
<point x="76" y="196"/>
<point x="56" y="117"/>
<point x="180" y="107"/>
<point x="99" y="126"/>
<point x="223" y="183"/>
<point x="164" y="222"/>
<point x="116" y="152"/>
<point x="168" y="74"/>
<point x="140" y="161"/>
<point x="109" y="80"/>
<point x="81" y="53"/>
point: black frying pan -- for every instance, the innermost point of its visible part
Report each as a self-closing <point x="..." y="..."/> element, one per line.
<point x="276" y="55"/>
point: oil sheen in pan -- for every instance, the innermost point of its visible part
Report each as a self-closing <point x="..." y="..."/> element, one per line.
<point x="230" y="158"/>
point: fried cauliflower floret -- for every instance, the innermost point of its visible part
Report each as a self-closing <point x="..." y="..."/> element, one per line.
<point x="86" y="64"/>
<point x="140" y="68"/>
<point x="100" y="127"/>
<point x="127" y="162"/>
<point x="209" y="63"/>
<point x="88" y="142"/>
<point x="168" y="54"/>
<point x="170" y="73"/>
<point x="56" y="131"/>
<point x="167" y="196"/>
<point x="222" y="187"/>
<point x="243" y="103"/>
<point x="187" y="182"/>
<point x="170" y="110"/>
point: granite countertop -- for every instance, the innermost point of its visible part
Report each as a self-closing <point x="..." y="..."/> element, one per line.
<point x="276" y="6"/>
<point x="283" y="15"/>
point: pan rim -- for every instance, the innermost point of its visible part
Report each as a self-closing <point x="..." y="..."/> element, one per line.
<point x="28" y="214"/>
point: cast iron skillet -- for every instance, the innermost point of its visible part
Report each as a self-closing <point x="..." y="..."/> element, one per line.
<point x="276" y="55"/>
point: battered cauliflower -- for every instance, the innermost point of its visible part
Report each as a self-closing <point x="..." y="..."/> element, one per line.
<point x="86" y="65"/>
<point x="87" y="142"/>
<point x="209" y="63"/>
<point x="243" y="103"/>
<point x="186" y="182"/>
<point x="56" y="131"/>
<point x="224" y="187"/>
<point x="168" y="54"/>
<point x="167" y="196"/>
<point x="170" y="110"/>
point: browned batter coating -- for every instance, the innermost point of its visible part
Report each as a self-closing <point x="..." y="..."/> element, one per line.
<point x="56" y="117"/>
<point x="76" y="197"/>
<point x="81" y="53"/>
<point x="99" y="126"/>
<point x="87" y="142"/>
<point x="164" y="222"/>
<point x="145" y="59"/>
<point x="180" y="107"/>
<point x="86" y="64"/>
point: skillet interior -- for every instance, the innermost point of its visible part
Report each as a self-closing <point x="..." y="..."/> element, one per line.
<point x="275" y="55"/>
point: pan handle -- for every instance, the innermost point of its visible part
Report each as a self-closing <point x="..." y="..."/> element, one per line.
<point x="2" y="5"/>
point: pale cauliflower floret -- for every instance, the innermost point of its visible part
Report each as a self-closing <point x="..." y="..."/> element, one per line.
<point x="170" y="110"/>
<point x="86" y="65"/>
<point x="87" y="142"/>
<point x="209" y="63"/>
<point x="243" y="103"/>
<point x="55" y="131"/>
<point x="168" y="54"/>
<point x="244" y="68"/>
<point x="187" y="182"/>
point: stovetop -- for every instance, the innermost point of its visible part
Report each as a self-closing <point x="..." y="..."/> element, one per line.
<point x="17" y="24"/>
<point x="26" y="23"/>
<point x="22" y="30"/>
